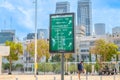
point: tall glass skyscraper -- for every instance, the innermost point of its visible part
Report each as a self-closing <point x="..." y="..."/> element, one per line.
<point x="84" y="15"/>
<point x="62" y="7"/>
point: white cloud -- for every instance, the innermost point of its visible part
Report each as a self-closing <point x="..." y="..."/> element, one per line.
<point x="26" y="17"/>
<point x="7" y="5"/>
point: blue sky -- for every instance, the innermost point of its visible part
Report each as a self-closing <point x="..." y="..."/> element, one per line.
<point x="19" y="14"/>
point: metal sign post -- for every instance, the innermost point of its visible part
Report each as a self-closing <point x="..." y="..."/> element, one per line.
<point x="62" y="35"/>
<point x="62" y="67"/>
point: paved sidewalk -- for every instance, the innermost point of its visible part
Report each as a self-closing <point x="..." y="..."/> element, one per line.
<point x="58" y="77"/>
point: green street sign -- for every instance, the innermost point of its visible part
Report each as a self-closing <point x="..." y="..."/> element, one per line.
<point x="61" y="33"/>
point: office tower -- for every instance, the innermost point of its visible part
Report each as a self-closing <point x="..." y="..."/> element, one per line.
<point x="116" y="30"/>
<point x="7" y="35"/>
<point x="62" y="7"/>
<point x="99" y="28"/>
<point x="84" y="15"/>
<point x="30" y="36"/>
<point x="42" y="33"/>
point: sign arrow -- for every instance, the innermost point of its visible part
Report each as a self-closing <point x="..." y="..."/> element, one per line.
<point x="70" y="44"/>
<point x="70" y="33"/>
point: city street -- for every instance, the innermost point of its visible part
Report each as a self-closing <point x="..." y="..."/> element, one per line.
<point x="56" y="77"/>
<point x="60" y="39"/>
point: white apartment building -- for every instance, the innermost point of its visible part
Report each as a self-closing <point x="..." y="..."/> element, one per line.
<point x="83" y="45"/>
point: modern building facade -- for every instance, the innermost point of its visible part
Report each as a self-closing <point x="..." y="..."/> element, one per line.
<point x="7" y="35"/>
<point x="99" y="29"/>
<point x="84" y="15"/>
<point x="62" y="7"/>
<point x="43" y="34"/>
<point x="85" y="43"/>
<point x="116" y="30"/>
<point x="30" y="36"/>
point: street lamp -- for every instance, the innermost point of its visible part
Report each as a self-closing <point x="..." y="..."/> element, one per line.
<point x="35" y="56"/>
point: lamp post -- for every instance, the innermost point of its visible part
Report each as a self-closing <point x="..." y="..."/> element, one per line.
<point x="35" y="56"/>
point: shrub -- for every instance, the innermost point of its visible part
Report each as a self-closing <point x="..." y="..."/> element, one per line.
<point x="72" y="68"/>
<point x="18" y="66"/>
<point x="88" y="67"/>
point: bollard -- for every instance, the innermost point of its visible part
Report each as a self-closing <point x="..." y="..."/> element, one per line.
<point x="54" y="78"/>
<point x="16" y="78"/>
<point x="87" y="76"/>
<point x="114" y="76"/>
<point x="70" y="77"/>
<point x="101" y="77"/>
<point x="36" y="78"/>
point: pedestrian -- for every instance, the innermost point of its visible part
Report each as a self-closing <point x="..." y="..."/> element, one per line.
<point x="80" y="69"/>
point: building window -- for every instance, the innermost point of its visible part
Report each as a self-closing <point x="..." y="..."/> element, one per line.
<point x="84" y="50"/>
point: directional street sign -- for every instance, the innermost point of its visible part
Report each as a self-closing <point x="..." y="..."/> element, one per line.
<point x="62" y="32"/>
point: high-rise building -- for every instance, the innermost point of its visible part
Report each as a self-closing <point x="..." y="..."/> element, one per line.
<point x="30" y="36"/>
<point x="84" y="15"/>
<point x="7" y="35"/>
<point x="99" y="28"/>
<point x="116" y="30"/>
<point x="42" y="33"/>
<point x="62" y="7"/>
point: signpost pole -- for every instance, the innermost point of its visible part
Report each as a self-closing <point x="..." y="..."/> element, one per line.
<point x="62" y="67"/>
<point x="35" y="56"/>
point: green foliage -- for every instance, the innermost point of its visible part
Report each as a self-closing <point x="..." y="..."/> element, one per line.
<point x="42" y="49"/>
<point x="41" y="67"/>
<point x="57" y="68"/>
<point x="56" y="58"/>
<point x="90" y="57"/>
<point x="18" y="66"/>
<point x="15" y="50"/>
<point x="105" y="49"/>
<point x="97" y="66"/>
<point x="117" y="57"/>
<point x="88" y="67"/>
<point x="49" y="67"/>
<point x="72" y="68"/>
<point x="71" y="59"/>
<point x="5" y="66"/>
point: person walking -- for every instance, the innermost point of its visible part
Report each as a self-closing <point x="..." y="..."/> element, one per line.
<point x="80" y="69"/>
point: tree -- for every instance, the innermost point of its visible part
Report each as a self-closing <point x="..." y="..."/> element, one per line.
<point x="106" y="50"/>
<point x="56" y="58"/>
<point x="42" y="49"/>
<point x="16" y="49"/>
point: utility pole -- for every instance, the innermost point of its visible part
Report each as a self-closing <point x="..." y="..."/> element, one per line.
<point x="35" y="56"/>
